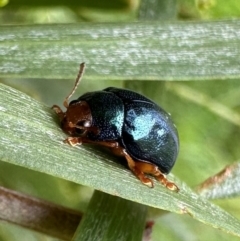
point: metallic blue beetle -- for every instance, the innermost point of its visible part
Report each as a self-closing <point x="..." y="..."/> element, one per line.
<point x="129" y="124"/>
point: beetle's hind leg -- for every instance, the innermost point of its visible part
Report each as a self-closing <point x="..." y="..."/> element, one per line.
<point x="153" y="170"/>
<point x="120" y="151"/>
<point x="140" y="168"/>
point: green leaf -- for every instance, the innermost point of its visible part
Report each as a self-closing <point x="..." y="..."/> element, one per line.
<point x="30" y="136"/>
<point x="3" y="3"/>
<point x="209" y="103"/>
<point x="218" y="9"/>
<point x="224" y="184"/>
<point x="158" y="10"/>
<point x="126" y="51"/>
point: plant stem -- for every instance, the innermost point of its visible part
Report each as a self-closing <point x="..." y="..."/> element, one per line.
<point x="37" y="214"/>
<point x="112" y="218"/>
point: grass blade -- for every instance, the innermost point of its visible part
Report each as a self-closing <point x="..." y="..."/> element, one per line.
<point x="30" y="137"/>
<point x="140" y="51"/>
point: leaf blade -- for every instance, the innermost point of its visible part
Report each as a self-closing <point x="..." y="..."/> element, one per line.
<point x="30" y="137"/>
<point x="172" y="51"/>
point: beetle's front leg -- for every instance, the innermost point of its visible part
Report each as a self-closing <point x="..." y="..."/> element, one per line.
<point x="58" y="111"/>
<point x="73" y="141"/>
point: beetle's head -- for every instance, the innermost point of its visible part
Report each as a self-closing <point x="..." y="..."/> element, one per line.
<point x="77" y="119"/>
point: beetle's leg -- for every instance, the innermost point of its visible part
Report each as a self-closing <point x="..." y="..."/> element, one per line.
<point x="120" y="151"/>
<point x="58" y="111"/>
<point x="117" y="150"/>
<point x="137" y="171"/>
<point x="137" y="167"/>
<point x="141" y="168"/>
<point x="73" y="141"/>
<point x="153" y="170"/>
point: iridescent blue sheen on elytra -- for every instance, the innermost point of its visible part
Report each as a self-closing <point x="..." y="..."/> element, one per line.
<point x="144" y="129"/>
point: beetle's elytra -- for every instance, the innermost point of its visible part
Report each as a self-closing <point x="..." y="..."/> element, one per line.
<point x="129" y="124"/>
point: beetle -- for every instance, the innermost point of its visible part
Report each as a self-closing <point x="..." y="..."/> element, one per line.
<point x="128" y="123"/>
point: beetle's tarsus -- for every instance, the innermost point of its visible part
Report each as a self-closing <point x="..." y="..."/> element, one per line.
<point x="153" y="170"/>
<point x="172" y="186"/>
<point x="169" y="185"/>
<point x="73" y="141"/>
<point x="146" y="181"/>
<point x="58" y="111"/>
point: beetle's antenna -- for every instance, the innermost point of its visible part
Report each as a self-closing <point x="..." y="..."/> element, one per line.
<point x="78" y="79"/>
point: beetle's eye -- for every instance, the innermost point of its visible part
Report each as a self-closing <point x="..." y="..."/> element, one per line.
<point x="80" y="126"/>
<point x="87" y="123"/>
<point x="83" y="123"/>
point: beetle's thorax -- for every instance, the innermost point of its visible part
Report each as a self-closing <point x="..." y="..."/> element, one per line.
<point x="77" y="118"/>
